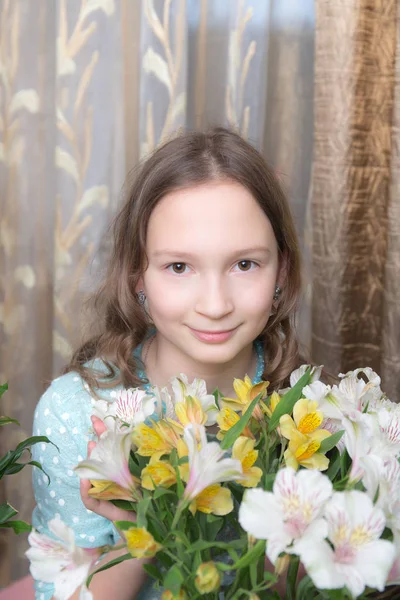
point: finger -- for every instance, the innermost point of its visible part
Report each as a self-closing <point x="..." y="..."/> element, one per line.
<point x="98" y="425"/>
<point x="90" y="447"/>
<point x="103" y="508"/>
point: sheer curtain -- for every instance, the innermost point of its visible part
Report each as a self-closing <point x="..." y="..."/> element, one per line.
<point x="87" y="89"/>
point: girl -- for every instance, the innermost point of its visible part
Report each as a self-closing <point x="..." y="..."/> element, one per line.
<point x="203" y="279"/>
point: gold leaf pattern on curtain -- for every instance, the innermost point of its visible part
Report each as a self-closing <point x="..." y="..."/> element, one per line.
<point x="353" y="166"/>
<point x="167" y="66"/>
<point x="78" y="202"/>
<point x="239" y="60"/>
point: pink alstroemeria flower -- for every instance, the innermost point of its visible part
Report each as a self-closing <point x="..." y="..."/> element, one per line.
<point x="207" y="464"/>
<point x="60" y="561"/>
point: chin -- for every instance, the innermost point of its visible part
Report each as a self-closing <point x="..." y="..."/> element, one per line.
<point x="213" y="353"/>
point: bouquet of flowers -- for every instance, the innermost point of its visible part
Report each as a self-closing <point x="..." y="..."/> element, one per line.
<point x="234" y="496"/>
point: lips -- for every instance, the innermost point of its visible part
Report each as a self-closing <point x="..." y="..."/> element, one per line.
<point x="213" y="337"/>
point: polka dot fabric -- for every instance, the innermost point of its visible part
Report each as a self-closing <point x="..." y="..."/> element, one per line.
<point x="63" y="414"/>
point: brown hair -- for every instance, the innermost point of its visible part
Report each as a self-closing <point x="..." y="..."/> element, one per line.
<point x="190" y="159"/>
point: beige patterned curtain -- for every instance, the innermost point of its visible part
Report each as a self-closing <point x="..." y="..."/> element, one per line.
<point x="355" y="207"/>
<point x="88" y="88"/>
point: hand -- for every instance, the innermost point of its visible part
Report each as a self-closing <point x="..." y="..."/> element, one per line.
<point x="103" y="508"/>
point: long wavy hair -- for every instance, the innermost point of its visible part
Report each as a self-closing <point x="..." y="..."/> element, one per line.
<point x="191" y="159"/>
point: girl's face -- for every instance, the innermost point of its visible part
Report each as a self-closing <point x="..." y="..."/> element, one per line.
<point x="213" y="268"/>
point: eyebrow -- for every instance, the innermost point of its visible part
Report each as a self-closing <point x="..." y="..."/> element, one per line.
<point x="188" y="255"/>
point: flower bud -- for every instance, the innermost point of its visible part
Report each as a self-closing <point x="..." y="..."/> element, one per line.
<point x="208" y="578"/>
<point x="168" y="595"/>
<point x="253" y="596"/>
<point x="282" y="564"/>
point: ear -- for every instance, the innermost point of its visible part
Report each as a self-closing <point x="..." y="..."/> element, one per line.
<point x="139" y="285"/>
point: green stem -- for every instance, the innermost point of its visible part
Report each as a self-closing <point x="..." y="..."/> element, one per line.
<point x="178" y="513"/>
<point x="292" y="578"/>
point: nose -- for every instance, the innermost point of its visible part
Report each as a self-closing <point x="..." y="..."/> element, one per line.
<point x="214" y="298"/>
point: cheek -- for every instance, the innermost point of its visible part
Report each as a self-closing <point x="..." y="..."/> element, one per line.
<point x="166" y="298"/>
<point x="255" y="305"/>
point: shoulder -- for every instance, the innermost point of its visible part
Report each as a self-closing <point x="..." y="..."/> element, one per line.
<point x="69" y="398"/>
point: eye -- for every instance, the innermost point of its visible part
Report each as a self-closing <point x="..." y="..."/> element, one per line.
<point x="246" y="265"/>
<point x="178" y="268"/>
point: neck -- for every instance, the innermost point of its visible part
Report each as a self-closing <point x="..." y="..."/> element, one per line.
<point x="164" y="361"/>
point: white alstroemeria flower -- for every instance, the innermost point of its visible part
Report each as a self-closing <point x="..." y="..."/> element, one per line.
<point x="394" y="575"/>
<point x="134" y="406"/>
<point x="197" y="389"/>
<point x="389" y="491"/>
<point x="109" y="461"/>
<point x="106" y="411"/>
<point x="164" y="403"/>
<point x="207" y="464"/>
<point x="353" y="394"/>
<point x="355" y="557"/>
<point x="290" y="513"/>
<point x="298" y="374"/>
<point x="358" y="438"/>
<point x="129" y="408"/>
<point x="389" y="426"/>
<point x="60" y="561"/>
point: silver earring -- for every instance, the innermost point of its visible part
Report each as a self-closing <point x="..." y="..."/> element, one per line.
<point x="277" y="292"/>
<point x="141" y="296"/>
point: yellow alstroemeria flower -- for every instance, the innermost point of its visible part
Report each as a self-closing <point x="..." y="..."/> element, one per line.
<point x="246" y="392"/>
<point x="108" y="490"/>
<point x="226" y="419"/>
<point x="243" y="450"/>
<point x="213" y="499"/>
<point x="158" y="473"/>
<point x="208" y="578"/>
<point x="304" y="436"/>
<point x="273" y="403"/>
<point x="168" y="595"/>
<point x="190" y="411"/>
<point x="157" y="440"/>
<point x="141" y="543"/>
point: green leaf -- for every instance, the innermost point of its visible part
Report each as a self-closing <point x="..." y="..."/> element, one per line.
<point x="250" y="556"/>
<point x="6" y="420"/>
<point x="286" y="404"/>
<point x="133" y="466"/>
<point x="160" y="491"/>
<point x="18" y="526"/>
<point x="234" y="432"/>
<point x="217" y="394"/>
<point x="124" y="525"/>
<point x="110" y="564"/>
<point x="3" y="388"/>
<point x="330" y="442"/>
<point x="7" y="512"/>
<point x="269" y="479"/>
<point x="32" y="441"/>
<point x="6" y="460"/>
<point x="174" y="580"/>
<point x="201" y="545"/>
<point x="143" y="506"/>
<point x="214" y="525"/>
<point x="153" y="571"/>
<point x="334" y="466"/>
<point x="125" y="505"/>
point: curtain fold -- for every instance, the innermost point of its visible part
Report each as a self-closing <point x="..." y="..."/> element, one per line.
<point x="354" y="201"/>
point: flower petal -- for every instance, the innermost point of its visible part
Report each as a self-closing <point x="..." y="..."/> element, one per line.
<point x="260" y="514"/>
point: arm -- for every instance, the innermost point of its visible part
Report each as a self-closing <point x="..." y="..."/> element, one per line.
<point x="63" y="414"/>
<point x="122" y="582"/>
